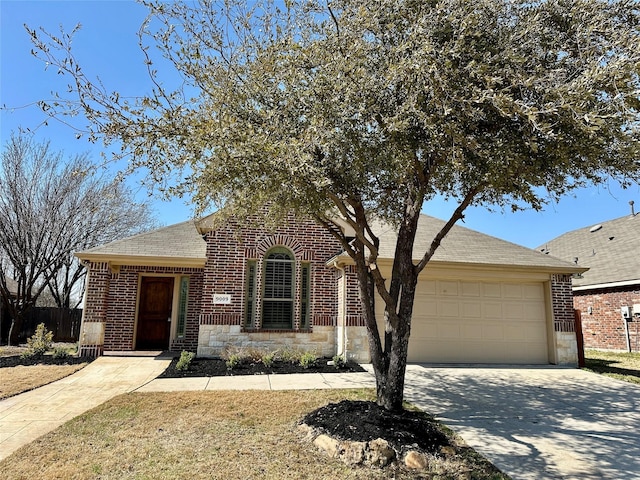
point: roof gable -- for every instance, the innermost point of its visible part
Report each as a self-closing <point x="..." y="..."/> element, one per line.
<point x="611" y="251"/>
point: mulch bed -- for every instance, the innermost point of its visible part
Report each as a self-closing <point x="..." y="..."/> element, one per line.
<point x="215" y="367"/>
<point x="16" y="360"/>
<point x="360" y="421"/>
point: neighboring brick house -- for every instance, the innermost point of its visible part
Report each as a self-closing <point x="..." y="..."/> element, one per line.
<point x="608" y="294"/>
<point x="194" y="286"/>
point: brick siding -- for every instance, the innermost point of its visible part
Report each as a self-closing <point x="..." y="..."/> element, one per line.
<point x="230" y="247"/>
<point x="604" y="328"/>
<point x="112" y="299"/>
<point x="562" y="301"/>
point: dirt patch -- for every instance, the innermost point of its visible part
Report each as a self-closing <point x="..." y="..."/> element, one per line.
<point x="215" y="367"/>
<point x="360" y="421"/>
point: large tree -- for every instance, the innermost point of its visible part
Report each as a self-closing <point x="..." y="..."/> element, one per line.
<point x="50" y="207"/>
<point x="364" y="110"/>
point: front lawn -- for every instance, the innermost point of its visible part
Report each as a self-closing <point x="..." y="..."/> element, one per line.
<point x="212" y="435"/>
<point x="23" y="374"/>
<point x="620" y="365"/>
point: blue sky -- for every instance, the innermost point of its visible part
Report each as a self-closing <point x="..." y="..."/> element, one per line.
<point x="106" y="46"/>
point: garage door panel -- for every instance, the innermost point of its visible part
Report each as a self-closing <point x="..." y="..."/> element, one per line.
<point x="513" y="291"/>
<point x="470" y="331"/>
<point x="533" y="311"/>
<point x="449" y="309"/>
<point x="447" y="288"/>
<point x="493" y="332"/>
<point x="471" y="310"/>
<point x="533" y="292"/>
<point x="480" y="323"/>
<point x="470" y="289"/>
<point x="491" y="290"/>
<point x="448" y="331"/>
<point x="491" y="310"/>
<point x="514" y="311"/>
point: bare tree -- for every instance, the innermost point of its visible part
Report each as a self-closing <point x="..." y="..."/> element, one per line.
<point x="51" y="206"/>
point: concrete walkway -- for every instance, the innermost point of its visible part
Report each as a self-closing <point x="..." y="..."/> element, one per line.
<point x="27" y="416"/>
<point x="537" y="423"/>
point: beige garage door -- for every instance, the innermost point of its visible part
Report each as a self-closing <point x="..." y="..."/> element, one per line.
<point x="478" y="322"/>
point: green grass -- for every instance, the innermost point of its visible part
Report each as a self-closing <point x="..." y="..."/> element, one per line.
<point x="620" y="365"/>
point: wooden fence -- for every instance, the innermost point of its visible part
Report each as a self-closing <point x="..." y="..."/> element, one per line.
<point x="63" y="322"/>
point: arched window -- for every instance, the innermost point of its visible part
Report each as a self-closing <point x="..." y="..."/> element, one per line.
<point x="279" y="290"/>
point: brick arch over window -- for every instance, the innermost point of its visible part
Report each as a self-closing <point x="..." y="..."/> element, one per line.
<point x="274" y="241"/>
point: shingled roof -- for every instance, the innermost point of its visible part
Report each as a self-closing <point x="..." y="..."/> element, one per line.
<point x="176" y="244"/>
<point x="183" y="244"/>
<point x="463" y="245"/>
<point x="611" y="250"/>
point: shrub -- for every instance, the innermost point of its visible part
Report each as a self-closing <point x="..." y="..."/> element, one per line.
<point x="233" y="361"/>
<point x="307" y="359"/>
<point x="268" y="359"/>
<point x="290" y="355"/>
<point x="339" y="361"/>
<point x="184" y="363"/>
<point x="40" y="342"/>
<point x="61" y="352"/>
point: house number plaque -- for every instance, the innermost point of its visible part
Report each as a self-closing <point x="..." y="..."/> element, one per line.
<point x="221" y="299"/>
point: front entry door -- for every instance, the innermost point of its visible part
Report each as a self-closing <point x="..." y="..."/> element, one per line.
<point x="154" y="313"/>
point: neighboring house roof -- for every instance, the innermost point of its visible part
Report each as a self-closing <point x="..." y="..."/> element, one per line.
<point x="179" y="244"/>
<point x="611" y="250"/>
<point x="12" y="285"/>
<point x="183" y="244"/>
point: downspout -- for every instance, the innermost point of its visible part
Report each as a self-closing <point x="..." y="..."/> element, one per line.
<point x="344" y="310"/>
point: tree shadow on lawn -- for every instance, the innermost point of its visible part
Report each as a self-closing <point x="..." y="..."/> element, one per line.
<point x="600" y="365"/>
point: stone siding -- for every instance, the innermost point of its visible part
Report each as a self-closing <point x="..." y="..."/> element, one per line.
<point x="566" y="348"/>
<point x="215" y="339"/>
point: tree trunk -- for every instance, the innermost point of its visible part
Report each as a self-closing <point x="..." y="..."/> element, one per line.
<point x="14" y="330"/>
<point x="390" y="363"/>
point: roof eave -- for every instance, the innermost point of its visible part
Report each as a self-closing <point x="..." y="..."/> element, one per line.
<point x="344" y="259"/>
<point x="143" y="260"/>
<point x="597" y="286"/>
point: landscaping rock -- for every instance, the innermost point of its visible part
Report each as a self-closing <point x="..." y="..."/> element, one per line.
<point x="353" y="452"/>
<point x="330" y="445"/>
<point x="416" y="460"/>
<point x="379" y="453"/>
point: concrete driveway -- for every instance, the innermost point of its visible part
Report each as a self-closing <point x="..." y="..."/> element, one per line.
<point x="537" y="423"/>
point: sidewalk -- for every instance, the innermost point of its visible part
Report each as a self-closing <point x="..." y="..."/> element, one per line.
<point x="27" y="416"/>
<point x="294" y="381"/>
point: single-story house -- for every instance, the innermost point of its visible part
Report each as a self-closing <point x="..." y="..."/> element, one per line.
<point x="608" y="294"/>
<point x="194" y="286"/>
